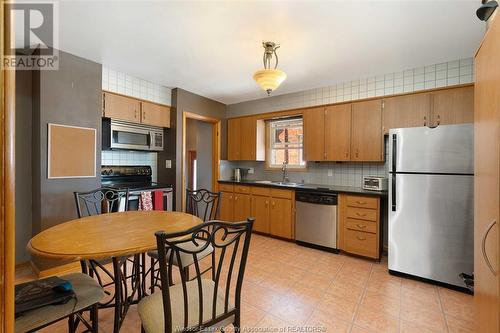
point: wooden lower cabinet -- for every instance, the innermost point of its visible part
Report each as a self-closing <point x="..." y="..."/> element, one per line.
<point x="226" y="208"/>
<point x="359" y="225"/>
<point x="281" y="218"/>
<point x="260" y="212"/>
<point x="242" y="207"/>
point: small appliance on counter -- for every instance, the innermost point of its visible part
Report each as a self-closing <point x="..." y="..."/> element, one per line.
<point x="240" y="174"/>
<point x="374" y="183"/>
<point x="138" y="179"/>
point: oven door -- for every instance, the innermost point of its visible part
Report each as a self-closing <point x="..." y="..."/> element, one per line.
<point x="133" y="200"/>
<point x="125" y="136"/>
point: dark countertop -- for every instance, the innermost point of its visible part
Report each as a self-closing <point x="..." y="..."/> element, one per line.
<point x="307" y="187"/>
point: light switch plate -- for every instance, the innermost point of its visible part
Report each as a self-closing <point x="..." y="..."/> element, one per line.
<point x="251" y="171"/>
<point x="168" y="164"/>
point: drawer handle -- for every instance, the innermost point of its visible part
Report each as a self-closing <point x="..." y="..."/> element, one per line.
<point x="362" y="215"/>
<point x="361" y="202"/>
<point x="361" y="238"/>
<point x="361" y="226"/>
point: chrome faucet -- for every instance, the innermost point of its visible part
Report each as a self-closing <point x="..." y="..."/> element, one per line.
<point x="285" y="172"/>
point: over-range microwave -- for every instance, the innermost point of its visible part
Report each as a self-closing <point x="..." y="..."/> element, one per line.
<point x="129" y="136"/>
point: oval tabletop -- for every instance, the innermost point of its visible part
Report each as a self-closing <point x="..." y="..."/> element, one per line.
<point x="108" y="235"/>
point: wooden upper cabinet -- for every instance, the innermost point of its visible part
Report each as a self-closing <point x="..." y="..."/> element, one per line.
<point x="121" y="107"/>
<point x="337" y="126"/>
<point x="248" y="138"/>
<point x="233" y="139"/>
<point x="314" y="134"/>
<point x="453" y="106"/>
<point x="155" y="114"/>
<point x="406" y="111"/>
<point x="366" y="132"/>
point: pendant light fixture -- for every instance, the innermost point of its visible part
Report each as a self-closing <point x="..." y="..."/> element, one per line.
<point x="269" y="79"/>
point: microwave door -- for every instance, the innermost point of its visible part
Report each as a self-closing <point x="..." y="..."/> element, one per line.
<point x="125" y="138"/>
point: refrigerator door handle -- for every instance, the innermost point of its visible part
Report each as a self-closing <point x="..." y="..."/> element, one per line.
<point x="394" y="151"/>
<point x="393" y="190"/>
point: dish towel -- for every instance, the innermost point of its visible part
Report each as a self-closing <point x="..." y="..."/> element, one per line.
<point x="158" y="200"/>
<point x="145" y="201"/>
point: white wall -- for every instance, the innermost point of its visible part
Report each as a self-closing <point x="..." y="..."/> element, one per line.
<point x="123" y="83"/>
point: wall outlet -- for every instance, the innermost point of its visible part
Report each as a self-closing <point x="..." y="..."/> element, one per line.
<point x="251" y="171"/>
<point x="168" y="164"/>
<point x="330" y="173"/>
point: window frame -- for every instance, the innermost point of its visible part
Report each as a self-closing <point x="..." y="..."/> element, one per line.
<point x="268" y="149"/>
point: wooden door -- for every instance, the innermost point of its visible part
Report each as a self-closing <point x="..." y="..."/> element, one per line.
<point x="121" y="107"/>
<point x="155" y="114"/>
<point x="487" y="183"/>
<point x="280" y="223"/>
<point x="233" y="139"/>
<point x="242" y="207"/>
<point x="406" y="111"/>
<point x="453" y="106"/>
<point x="248" y="138"/>
<point x="366" y="131"/>
<point x="314" y="134"/>
<point x="260" y="211"/>
<point x="226" y="209"/>
<point x="338" y="133"/>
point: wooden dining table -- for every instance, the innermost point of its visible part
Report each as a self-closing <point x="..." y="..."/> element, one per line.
<point x="115" y="236"/>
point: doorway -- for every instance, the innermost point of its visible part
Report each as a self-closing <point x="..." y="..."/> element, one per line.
<point x="201" y="153"/>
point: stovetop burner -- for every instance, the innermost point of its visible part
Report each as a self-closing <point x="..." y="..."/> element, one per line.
<point x="132" y="177"/>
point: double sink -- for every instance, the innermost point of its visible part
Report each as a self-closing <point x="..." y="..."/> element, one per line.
<point x="288" y="184"/>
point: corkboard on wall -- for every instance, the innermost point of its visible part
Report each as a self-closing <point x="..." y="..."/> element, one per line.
<point x="71" y="151"/>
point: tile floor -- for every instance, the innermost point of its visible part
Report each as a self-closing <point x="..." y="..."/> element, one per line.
<point x="289" y="288"/>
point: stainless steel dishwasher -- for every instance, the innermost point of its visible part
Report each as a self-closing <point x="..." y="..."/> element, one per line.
<point x="316" y="219"/>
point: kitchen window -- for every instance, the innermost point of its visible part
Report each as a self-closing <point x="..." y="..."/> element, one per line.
<point x="285" y="143"/>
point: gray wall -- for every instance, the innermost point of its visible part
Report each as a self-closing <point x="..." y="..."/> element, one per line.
<point x="69" y="96"/>
<point x="184" y="101"/>
<point x="204" y="155"/>
<point x="24" y="114"/>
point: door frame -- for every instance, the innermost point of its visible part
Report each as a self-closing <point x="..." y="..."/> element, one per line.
<point x="216" y="151"/>
<point x="7" y="173"/>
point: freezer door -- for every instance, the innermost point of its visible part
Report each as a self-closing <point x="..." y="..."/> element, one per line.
<point x="444" y="149"/>
<point x="431" y="226"/>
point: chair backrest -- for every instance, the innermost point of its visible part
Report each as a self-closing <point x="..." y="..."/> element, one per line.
<point x="100" y="201"/>
<point x="230" y="243"/>
<point x="203" y="203"/>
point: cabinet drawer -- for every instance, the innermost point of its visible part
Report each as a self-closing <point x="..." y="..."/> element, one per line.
<point x="361" y="225"/>
<point x="226" y="187"/>
<point x="362" y="213"/>
<point x="285" y="194"/>
<point x="265" y="191"/>
<point x="362" y="202"/>
<point x="242" y="189"/>
<point x="362" y="243"/>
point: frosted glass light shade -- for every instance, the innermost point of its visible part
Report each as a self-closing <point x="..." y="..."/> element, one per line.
<point x="269" y="79"/>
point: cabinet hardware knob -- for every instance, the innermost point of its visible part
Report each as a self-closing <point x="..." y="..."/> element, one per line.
<point x="361" y="238"/>
<point x="273" y="203"/>
<point x="483" y="247"/>
<point x="425" y="120"/>
<point x="361" y="226"/>
<point x="438" y="120"/>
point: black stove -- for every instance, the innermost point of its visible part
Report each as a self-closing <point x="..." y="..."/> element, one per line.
<point x="133" y="177"/>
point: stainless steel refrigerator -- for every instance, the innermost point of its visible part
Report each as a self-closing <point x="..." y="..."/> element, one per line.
<point x="431" y="186"/>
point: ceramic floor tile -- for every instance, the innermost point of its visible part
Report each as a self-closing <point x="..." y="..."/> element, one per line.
<point x="322" y="320"/>
<point x="389" y="305"/>
<point x="294" y="310"/>
<point x="458" y="305"/>
<point x="376" y="321"/>
<point x="410" y="327"/>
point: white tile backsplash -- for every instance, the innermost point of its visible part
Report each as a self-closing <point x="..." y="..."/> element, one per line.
<point x="123" y="83"/>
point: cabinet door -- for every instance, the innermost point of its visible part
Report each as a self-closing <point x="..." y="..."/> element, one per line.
<point x="121" y="107"/>
<point x="453" y="106"/>
<point x="248" y="138"/>
<point x="366" y="131"/>
<point x="281" y="218"/>
<point x="155" y="114"/>
<point x="242" y="207"/>
<point x="226" y="208"/>
<point x="406" y="111"/>
<point x="486" y="183"/>
<point x="338" y="133"/>
<point x="233" y="139"/>
<point x="260" y="211"/>
<point x="314" y="134"/>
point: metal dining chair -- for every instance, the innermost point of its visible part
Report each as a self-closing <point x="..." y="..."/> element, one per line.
<point x="199" y="304"/>
<point x="205" y="205"/>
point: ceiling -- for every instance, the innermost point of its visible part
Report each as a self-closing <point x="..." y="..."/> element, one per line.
<point x="213" y="48"/>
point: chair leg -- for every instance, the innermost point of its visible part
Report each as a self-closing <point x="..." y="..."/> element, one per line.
<point x="71" y="323"/>
<point x="94" y="318"/>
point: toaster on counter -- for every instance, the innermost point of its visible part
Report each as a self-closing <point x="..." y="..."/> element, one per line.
<point x="374" y="183"/>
